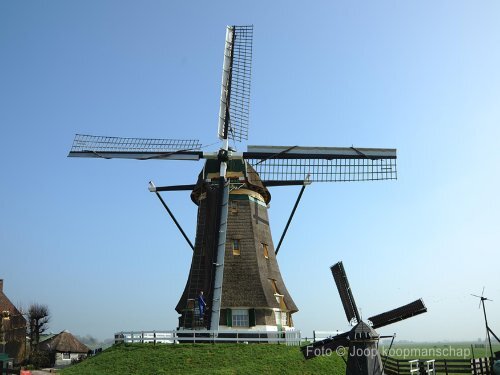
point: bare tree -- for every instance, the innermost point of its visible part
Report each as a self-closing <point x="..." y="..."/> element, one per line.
<point x="38" y="322"/>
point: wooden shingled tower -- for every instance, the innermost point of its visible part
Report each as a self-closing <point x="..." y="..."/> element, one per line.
<point x="253" y="292"/>
<point x="234" y="258"/>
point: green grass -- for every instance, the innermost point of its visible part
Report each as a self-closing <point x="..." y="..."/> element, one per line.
<point x="205" y="359"/>
<point x="240" y="359"/>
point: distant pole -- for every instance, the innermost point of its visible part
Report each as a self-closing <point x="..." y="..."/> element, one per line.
<point x="487" y="329"/>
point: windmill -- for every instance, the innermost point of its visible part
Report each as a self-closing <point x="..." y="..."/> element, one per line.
<point x="234" y="259"/>
<point x="482" y="299"/>
<point x="362" y="339"/>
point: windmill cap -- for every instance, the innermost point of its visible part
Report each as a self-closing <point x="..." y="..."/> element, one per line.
<point x="236" y="169"/>
<point x="363" y="331"/>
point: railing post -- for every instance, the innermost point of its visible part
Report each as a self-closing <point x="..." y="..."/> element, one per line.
<point x="413" y="370"/>
<point x="428" y="364"/>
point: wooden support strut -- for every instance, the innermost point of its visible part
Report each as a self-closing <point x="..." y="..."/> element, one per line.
<point x="290" y="218"/>
<point x="175" y="220"/>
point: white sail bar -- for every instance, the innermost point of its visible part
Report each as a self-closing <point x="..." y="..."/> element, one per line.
<point x="177" y="155"/>
<point x="226" y="75"/>
<point x="285" y="152"/>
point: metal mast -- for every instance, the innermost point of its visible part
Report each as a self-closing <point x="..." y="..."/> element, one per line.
<point x="481" y="302"/>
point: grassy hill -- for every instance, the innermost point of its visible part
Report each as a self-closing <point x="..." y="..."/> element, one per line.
<point x="205" y="359"/>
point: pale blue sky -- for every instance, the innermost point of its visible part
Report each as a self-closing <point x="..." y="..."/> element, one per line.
<point x="88" y="239"/>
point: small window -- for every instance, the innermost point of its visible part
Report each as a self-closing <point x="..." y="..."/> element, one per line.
<point x="266" y="250"/>
<point x="240" y="318"/>
<point x="236" y="247"/>
<point x="66" y="356"/>
<point x="281" y="318"/>
<point x="233" y="205"/>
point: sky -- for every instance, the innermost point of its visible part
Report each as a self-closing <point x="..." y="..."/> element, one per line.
<point x="87" y="238"/>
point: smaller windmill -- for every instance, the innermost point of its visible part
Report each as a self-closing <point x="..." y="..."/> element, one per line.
<point x="482" y="298"/>
<point x="362" y="339"/>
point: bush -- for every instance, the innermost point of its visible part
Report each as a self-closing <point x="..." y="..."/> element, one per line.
<point x="40" y="359"/>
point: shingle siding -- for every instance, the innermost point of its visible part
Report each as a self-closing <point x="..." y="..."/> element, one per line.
<point x="246" y="282"/>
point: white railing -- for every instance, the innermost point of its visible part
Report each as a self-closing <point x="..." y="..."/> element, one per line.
<point x="321" y="335"/>
<point x="430" y="367"/>
<point x="291" y="338"/>
<point x="414" y="366"/>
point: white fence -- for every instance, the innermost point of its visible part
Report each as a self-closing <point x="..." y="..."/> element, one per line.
<point x="321" y="335"/>
<point x="291" y="338"/>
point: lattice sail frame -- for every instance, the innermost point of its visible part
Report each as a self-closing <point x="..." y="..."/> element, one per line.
<point x="322" y="164"/>
<point x="404" y="312"/>
<point x="319" y="170"/>
<point x="236" y="79"/>
<point x="98" y="144"/>
<point x="345" y="292"/>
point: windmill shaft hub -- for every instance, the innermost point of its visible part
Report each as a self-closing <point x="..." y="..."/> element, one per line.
<point x="223" y="156"/>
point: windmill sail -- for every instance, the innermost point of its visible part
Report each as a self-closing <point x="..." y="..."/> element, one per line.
<point x="351" y="311"/>
<point x="328" y="345"/>
<point x="404" y="312"/>
<point x="322" y="164"/>
<point x="91" y="146"/>
<point x="233" y="124"/>
<point x="236" y="76"/>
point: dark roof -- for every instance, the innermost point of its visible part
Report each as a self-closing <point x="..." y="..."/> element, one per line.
<point x="64" y="342"/>
<point x="363" y="331"/>
<point x="237" y="168"/>
<point x="47" y="336"/>
<point x="6" y="305"/>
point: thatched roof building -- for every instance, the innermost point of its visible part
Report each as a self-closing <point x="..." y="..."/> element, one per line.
<point x="64" y="348"/>
<point x="64" y="342"/>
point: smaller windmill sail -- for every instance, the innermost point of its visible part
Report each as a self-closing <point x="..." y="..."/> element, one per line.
<point x="404" y="312"/>
<point x="92" y="146"/>
<point x="325" y="346"/>
<point x="236" y="76"/>
<point x="351" y="311"/>
<point x="322" y="164"/>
